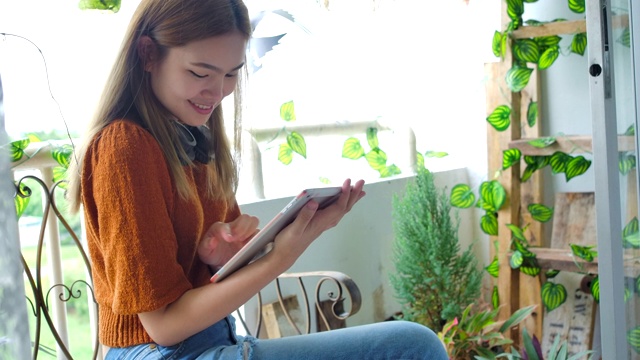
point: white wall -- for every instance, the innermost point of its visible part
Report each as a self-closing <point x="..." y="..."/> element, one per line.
<point x="360" y="245"/>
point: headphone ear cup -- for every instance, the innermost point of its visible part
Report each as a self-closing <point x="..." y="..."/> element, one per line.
<point x="195" y="143"/>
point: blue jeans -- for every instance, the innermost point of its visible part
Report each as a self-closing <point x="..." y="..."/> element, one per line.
<point x="394" y="340"/>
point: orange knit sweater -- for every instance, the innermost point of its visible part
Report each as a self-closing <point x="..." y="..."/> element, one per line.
<point x="142" y="237"/>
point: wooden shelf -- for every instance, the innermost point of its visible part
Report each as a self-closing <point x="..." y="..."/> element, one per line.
<point x="570" y="144"/>
<point x="564" y="260"/>
<point x="549" y="29"/>
<point x="564" y="28"/>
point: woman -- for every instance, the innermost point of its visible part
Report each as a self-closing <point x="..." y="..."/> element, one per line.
<point x="157" y="178"/>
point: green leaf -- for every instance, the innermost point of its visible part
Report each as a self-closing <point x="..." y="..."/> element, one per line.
<point x="542" y="142"/>
<point x="377" y="159"/>
<point x="545" y="42"/>
<point x="553" y="295"/>
<point x="625" y="38"/>
<point x="526" y="50"/>
<point x="352" y="149"/>
<point x="559" y="162"/>
<point x="287" y="112"/>
<point x="111" y="5"/>
<point x="517" y="232"/>
<point x="532" y="113"/>
<point x="532" y="353"/>
<point x="538" y="162"/>
<point x="372" y="137"/>
<point x="496" y="44"/>
<point x="518" y="77"/>
<point x="595" y="288"/>
<point x="461" y="196"/>
<point x="16" y="149"/>
<point x="510" y="157"/>
<point x="633" y="338"/>
<point x="494" y="268"/>
<point x="389" y="171"/>
<point x="528" y="171"/>
<point x="540" y="212"/>
<point x="515" y="9"/>
<point x="517" y="317"/>
<point x="548" y="57"/>
<point x="631" y="130"/>
<point x="62" y="155"/>
<point x="577" y="6"/>
<point x="521" y="246"/>
<point x="530" y="267"/>
<point x="579" y="43"/>
<point x="435" y="154"/>
<point x="495" y="297"/>
<point x="631" y="234"/>
<point x="21" y="199"/>
<point x="59" y="173"/>
<point x="500" y="118"/>
<point x="493" y="195"/>
<point x="285" y="154"/>
<point x="419" y="160"/>
<point x="516" y="260"/>
<point x="297" y="143"/>
<point x="584" y="252"/>
<point x="550" y="274"/>
<point x="576" y="167"/>
<point x="489" y="224"/>
<point x="637" y="285"/>
<point x="626" y="163"/>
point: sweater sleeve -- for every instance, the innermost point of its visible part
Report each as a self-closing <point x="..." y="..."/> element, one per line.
<point x="131" y="197"/>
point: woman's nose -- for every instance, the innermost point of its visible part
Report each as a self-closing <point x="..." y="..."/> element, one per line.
<point x="214" y="90"/>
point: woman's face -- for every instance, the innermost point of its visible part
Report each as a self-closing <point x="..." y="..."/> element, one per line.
<point x="193" y="79"/>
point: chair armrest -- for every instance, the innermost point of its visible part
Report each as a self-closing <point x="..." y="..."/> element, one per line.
<point x="342" y="288"/>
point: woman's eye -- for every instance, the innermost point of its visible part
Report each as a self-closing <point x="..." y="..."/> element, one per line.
<point x="197" y="75"/>
<point x="231" y="75"/>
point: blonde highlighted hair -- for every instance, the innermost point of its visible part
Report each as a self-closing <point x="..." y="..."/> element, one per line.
<point x="128" y="94"/>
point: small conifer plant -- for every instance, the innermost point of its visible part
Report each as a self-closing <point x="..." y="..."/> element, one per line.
<point x="433" y="280"/>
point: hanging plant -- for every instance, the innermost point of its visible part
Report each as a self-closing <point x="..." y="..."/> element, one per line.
<point x="295" y="141"/>
<point x="110" y="5"/>
<point x="376" y="157"/>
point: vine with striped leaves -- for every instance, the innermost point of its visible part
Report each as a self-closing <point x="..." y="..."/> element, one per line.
<point x="541" y="52"/>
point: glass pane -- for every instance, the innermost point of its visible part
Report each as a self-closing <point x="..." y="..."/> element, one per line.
<point x="625" y="117"/>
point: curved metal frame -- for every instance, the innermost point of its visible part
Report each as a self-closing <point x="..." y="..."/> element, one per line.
<point x="345" y="288"/>
<point x="41" y="308"/>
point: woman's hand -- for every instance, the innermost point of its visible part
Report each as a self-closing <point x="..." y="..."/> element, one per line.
<point x="310" y="223"/>
<point x="223" y="240"/>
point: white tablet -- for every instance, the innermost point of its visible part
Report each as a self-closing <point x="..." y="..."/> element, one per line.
<point x="260" y="243"/>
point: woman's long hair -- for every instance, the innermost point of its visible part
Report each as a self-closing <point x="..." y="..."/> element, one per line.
<point x="127" y="94"/>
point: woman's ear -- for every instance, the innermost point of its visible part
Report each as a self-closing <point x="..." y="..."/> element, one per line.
<point x="147" y="51"/>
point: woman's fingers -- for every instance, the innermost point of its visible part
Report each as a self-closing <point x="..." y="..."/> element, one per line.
<point x="242" y="228"/>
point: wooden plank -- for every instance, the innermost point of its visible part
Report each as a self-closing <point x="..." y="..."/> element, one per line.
<point x="531" y="192"/>
<point x="574" y="220"/>
<point x="564" y="28"/>
<point x="574" y="144"/>
<point x="572" y="321"/>
<point x="564" y="260"/>
<point x="549" y="29"/>
<point x="498" y="94"/>
<point x="276" y="324"/>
